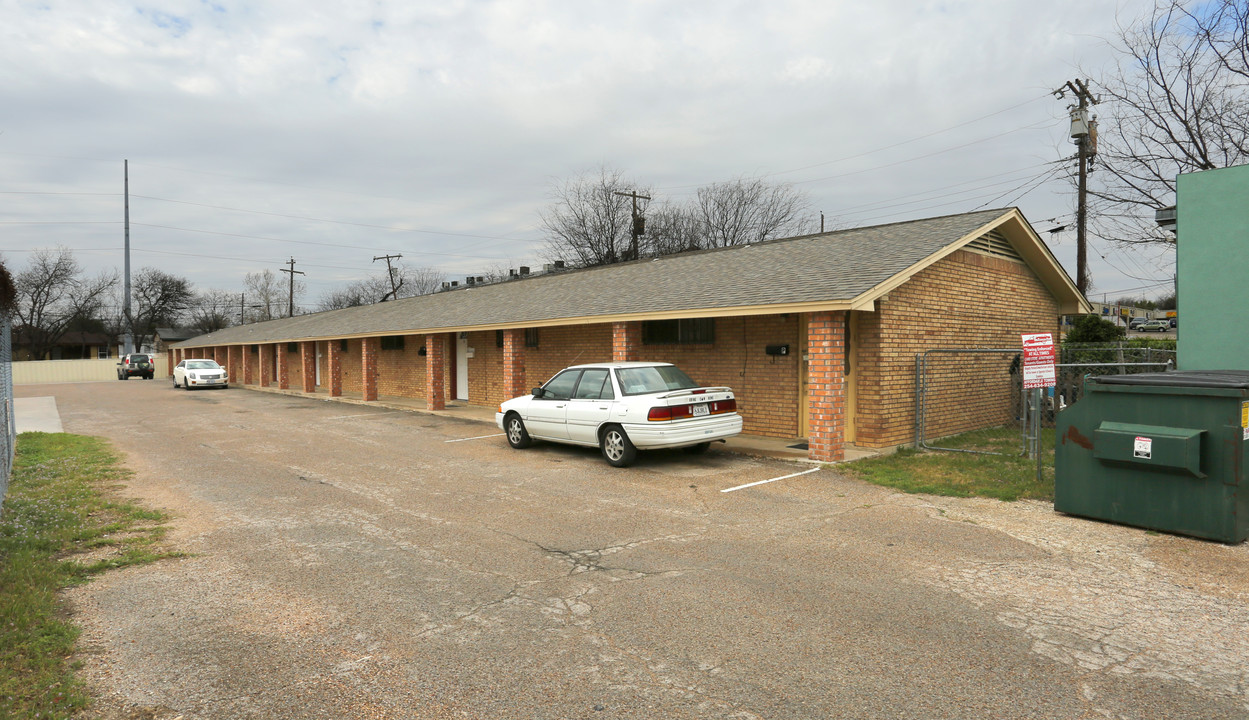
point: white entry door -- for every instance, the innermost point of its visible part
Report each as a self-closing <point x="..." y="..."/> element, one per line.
<point x="461" y="367"/>
<point x="318" y="347"/>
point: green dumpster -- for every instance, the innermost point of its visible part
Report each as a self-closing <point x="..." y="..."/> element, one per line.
<point x="1164" y="451"/>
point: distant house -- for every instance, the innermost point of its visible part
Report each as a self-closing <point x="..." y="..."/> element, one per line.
<point x="75" y="345"/>
<point x="816" y="334"/>
<point x="165" y="337"/>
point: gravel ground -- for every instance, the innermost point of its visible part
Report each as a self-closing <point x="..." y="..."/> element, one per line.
<point x="350" y="562"/>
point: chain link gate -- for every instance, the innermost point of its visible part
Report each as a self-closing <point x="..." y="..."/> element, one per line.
<point x="962" y="390"/>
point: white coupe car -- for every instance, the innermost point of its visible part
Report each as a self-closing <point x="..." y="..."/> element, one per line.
<point x="199" y="373"/>
<point x="622" y="408"/>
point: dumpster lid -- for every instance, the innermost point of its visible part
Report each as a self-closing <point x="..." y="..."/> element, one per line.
<point x="1182" y="378"/>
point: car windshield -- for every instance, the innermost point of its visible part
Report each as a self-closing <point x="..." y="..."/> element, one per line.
<point x="643" y="380"/>
<point x="202" y="365"/>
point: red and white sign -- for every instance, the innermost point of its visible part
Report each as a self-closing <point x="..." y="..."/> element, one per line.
<point x="1038" y="361"/>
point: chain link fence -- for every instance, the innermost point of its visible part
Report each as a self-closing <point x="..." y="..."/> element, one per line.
<point x="965" y="390"/>
<point x="8" y="439"/>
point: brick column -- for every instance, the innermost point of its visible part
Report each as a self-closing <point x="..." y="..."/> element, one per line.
<point x="826" y="386"/>
<point x="435" y="366"/>
<point x="248" y="372"/>
<point x="626" y="341"/>
<point x="514" y="363"/>
<point x="368" y="366"/>
<point x="231" y="355"/>
<point x="266" y="365"/>
<point x="284" y="366"/>
<point x="335" y="361"/>
<point x="169" y="360"/>
<point x="308" y="362"/>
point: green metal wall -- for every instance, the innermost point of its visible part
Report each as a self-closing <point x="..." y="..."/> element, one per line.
<point x="1212" y="254"/>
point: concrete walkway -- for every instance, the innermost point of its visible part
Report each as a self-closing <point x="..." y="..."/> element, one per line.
<point x="36" y="414"/>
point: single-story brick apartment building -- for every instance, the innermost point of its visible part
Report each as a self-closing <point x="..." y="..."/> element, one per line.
<point x="816" y="334"/>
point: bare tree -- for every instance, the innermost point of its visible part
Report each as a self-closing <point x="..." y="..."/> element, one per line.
<point x="213" y="310"/>
<point x="589" y="222"/>
<point x="159" y="300"/>
<point x="51" y="293"/>
<point x="267" y="295"/>
<point x="1176" y="102"/>
<point x="407" y="282"/>
<point x="422" y="281"/>
<point x="361" y="292"/>
<point x="749" y="210"/>
<point x="672" y="229"/>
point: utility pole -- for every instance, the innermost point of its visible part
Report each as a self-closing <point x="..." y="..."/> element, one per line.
<point x="125" y="306"/>
<point x="1084" y="135"/>
<point x="390" y="273"/>
<point x="290" y="312"/>
<point x="639" y="222"/>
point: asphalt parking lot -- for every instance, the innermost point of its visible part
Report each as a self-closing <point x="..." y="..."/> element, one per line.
<point x="355" y="562"/>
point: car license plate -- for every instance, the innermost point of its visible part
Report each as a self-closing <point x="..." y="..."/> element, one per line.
<point x="701" y="409"/>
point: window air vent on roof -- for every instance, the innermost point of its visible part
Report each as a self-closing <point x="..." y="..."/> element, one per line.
<point x="994" y="243"/>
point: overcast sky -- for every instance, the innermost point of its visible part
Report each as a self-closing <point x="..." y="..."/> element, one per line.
<point x="336" y="132"/>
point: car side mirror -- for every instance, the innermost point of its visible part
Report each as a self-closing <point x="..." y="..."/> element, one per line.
<point x="538" y="392"/>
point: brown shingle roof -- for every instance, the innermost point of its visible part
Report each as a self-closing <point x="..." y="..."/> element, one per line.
<point x="829" y="269"/>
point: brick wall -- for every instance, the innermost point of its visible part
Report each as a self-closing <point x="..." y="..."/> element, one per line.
<point x="401" y="373"/>
<point x="967" y="300"/>
<point x="766" y="386"/>
<point x="308" y="366"/>
<point x="559" y="347"/>
<point x="436" y="356"/>
<point x="294" y="366"/>
<point x="352" y="367"/>
<point x="826" y="352"/>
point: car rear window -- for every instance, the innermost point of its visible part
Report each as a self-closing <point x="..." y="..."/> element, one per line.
<point x="138" y="358"/>
<point x="643" y="380"/>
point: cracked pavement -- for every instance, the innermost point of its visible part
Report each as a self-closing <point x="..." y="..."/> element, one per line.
<point x="349" y="562"/>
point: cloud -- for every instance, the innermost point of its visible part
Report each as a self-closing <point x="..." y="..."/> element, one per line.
<point x="458" y="116"/>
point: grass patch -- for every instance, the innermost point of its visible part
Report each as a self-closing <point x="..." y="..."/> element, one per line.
<point x="1009" y="476"/>
<point x="61" y="524"/>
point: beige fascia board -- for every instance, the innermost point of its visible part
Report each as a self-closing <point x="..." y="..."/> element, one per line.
<point x="1042" y="261"/>
<point x="1034" y="252"/>
<point x="736" y="311"/>
<point x="867" y="300"/>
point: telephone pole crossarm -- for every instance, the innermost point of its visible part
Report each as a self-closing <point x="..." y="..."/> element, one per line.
<point x="637" y="227"/>
<point x="290" y="310"/>
<point x="390" y="273"/>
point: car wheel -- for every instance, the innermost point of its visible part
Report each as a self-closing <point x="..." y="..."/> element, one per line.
<point x="698" y="449"/>
<point x="617" y="448"/>
<point x="517" y="435"/>
<point x="124" y="377"/>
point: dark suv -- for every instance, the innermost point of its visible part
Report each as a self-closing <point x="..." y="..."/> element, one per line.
<point x="139" y="364"/>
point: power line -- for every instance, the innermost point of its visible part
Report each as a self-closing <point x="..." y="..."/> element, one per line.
<point x="890" y="147"/>
<point x="334" y="222"/>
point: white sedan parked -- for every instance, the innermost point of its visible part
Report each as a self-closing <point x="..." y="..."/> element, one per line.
<point x="622" y="408"/>
<point x="199" y="373"/>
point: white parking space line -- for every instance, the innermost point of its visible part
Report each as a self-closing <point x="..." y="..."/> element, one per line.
<point x="479" y="437"/>
<point x="372" y="414"/>
<point x="763" y="482"/>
